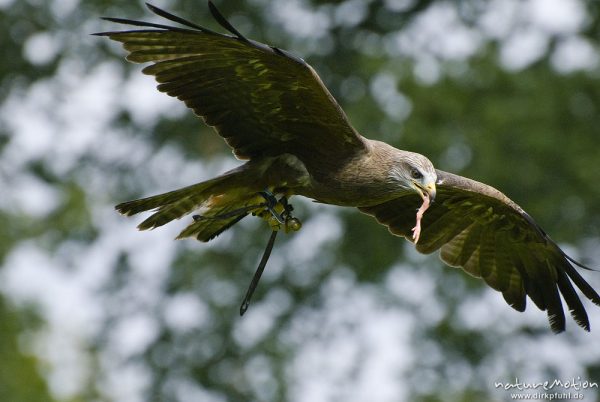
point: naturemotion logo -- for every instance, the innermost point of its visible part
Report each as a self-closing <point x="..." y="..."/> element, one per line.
<point x="556" y="389"/>
<point x="573" y="384"/>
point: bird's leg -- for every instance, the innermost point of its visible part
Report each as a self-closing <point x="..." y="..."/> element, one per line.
<point x="274" y="206"/>
<point x="280" y="214"/>
<point x="270" y="204"/>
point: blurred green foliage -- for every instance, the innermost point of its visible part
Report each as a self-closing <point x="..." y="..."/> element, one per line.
<point x="20" y="379"/>
<point x="533" y="133"/>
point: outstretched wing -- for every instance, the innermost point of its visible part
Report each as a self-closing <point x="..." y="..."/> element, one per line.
<point x="479" y="229"/>
<point x="262" y="100"/>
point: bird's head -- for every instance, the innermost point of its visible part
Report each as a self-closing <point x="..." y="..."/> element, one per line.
<point x="416" y="173"/>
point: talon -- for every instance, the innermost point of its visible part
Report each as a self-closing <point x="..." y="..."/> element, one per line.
<point x="278" y="213"/>
<point x="292" y="225"/>
<point x="272" y="204"/>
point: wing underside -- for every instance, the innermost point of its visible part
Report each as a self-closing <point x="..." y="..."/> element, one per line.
<point x="262" y="100"/>
<point x="482" y="231"/>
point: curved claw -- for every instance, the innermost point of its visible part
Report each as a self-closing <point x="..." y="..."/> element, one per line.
<point x="272" y="204"/>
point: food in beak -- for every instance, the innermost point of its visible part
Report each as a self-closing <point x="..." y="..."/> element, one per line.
<point x="417" y="229"/>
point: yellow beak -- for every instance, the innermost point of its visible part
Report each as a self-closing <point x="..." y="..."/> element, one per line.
<point x="428" y="189"/>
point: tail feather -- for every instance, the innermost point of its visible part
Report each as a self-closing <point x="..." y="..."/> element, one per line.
<point x="176" y="204"/>
<point x="157" y="201"/>
<point x="220" y="200"/>
<point x="175" y="210"/>
<point x="207" y="229"/>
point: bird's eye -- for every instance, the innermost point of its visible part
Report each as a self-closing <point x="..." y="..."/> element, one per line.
<point x="415" y="174"/>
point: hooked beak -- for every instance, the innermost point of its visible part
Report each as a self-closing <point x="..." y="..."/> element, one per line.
<point x="427" y="190"/>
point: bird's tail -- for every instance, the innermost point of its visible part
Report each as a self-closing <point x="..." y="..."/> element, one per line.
<point x="220" y="202"/>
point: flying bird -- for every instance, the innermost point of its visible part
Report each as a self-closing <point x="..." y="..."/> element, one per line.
<point x="274" y="111"/>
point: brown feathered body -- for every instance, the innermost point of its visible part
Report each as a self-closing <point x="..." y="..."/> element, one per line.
<point x="273" y="110"/>
<point x="361" y="180"/>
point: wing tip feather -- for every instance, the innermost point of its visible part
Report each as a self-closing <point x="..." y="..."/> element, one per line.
<point x="223" y="21"/>
<point x="172" y="17"/>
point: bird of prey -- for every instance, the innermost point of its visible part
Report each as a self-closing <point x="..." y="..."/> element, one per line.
<point x="274" y="111"/>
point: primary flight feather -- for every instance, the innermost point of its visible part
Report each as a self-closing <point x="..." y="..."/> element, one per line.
<point x="273" y="110"/>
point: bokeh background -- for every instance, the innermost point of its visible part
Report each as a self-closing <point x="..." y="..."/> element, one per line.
<point x="503" y="91"/>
